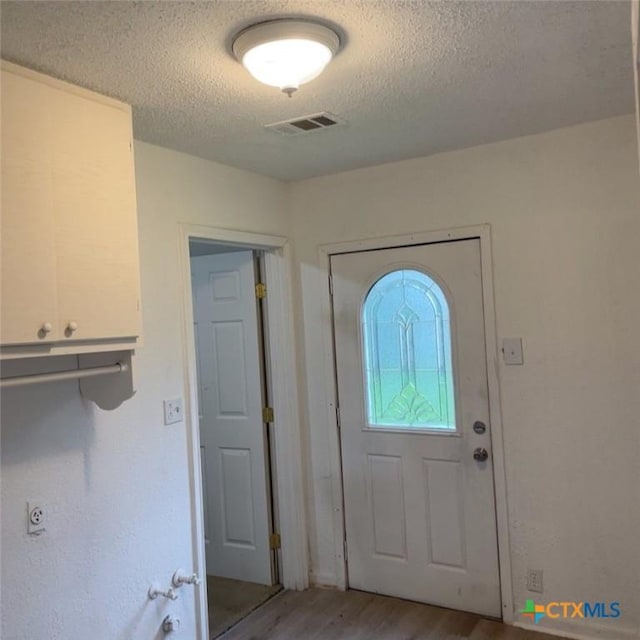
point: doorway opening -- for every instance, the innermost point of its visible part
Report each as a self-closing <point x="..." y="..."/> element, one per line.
<point x="235" y="426"/>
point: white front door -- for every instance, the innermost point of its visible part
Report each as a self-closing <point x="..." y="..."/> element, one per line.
<point x="232" y="432"/>
<point x="413" y="401"/>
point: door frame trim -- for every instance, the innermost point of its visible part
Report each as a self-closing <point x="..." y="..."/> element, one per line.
<point x="483" y="234"/>
<point x="288" y="443"/>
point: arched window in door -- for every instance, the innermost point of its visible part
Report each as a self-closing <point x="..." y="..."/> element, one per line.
<point x="407" y="353"/>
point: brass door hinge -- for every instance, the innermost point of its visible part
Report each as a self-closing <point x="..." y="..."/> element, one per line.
<point x="274" y="541"/>
<point x="267" y="414"/>
<point x="261" y="290"/>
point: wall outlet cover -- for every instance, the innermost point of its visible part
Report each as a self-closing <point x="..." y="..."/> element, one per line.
<point x="35" y="519"/>
<point x="534" y="580"/>
<point x="173" y="411"/>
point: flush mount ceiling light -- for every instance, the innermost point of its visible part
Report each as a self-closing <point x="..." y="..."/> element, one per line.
<point x="286" y="53"/>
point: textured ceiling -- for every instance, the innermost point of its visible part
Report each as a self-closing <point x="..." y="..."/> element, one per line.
<point x="412" y="79"/>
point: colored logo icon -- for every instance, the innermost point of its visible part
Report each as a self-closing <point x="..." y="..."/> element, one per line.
<point x="533" y="611"/>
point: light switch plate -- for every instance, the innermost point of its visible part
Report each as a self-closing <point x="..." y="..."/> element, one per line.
<point x="173" y="411"/>
<point x="512" y="351"/>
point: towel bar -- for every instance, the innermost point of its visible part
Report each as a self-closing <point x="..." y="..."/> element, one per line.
<point x="38" y="378"/>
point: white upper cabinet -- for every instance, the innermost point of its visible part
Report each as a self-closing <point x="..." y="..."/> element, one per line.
<point x="70" y="270"/>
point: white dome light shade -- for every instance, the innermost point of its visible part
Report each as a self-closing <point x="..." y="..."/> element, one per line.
<point x="287" y="64"/>
<point x="286" y="53"/>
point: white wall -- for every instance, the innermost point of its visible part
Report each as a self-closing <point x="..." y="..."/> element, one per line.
<point x="115" y="484"/>
<point x="564" y="208"/>
<point x="565" y="215"/>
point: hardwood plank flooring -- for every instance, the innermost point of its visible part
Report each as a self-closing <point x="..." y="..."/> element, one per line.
<point x="323" y="614"/>
<point x="232" y="600"/>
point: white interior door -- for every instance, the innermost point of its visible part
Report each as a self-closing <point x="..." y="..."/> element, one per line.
<point x="412" y="382"/>
<point x="232" y="433"/>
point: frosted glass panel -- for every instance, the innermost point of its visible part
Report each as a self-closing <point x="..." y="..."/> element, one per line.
<point x="407" y="353"/>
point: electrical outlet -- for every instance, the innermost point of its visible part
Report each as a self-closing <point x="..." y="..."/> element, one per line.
<point x="534" y="580"/>
<point x="173" y="411"/>
<point x="35" y="519"/>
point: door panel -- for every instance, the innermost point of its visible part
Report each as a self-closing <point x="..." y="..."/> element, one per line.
<point x="230" y="361"/>
<point x="237" y="498"/>
<point x="411" y="370"/>
<point x="93" y="196"/>
<point x="28" y="260"/>
<point x="445" y="518"/>
<point x="387" y="506"/>
<point x="232" y="433"/>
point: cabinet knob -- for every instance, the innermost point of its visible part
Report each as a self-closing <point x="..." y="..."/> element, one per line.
<point x="45" y="329"/>
<point x="71" y="327"/>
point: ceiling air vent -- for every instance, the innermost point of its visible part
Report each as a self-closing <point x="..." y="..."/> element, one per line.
<point x="306" y="124"/>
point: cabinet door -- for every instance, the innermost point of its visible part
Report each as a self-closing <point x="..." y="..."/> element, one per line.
<point x="28" y="249"/>
<point x="95" y="219"/>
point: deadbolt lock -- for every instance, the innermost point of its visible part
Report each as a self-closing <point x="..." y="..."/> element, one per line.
<point x="479" y="427"/>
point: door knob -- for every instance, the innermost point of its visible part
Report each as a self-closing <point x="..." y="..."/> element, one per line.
<point x="480" y="454"/>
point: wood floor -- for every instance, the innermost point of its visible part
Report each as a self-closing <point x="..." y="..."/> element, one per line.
<point x="322" y="614"/>
<point x="232" y="600"/>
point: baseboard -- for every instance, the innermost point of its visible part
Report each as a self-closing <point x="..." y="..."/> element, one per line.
<point x="590" y="632"/>
<point x="324" y="581"/>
